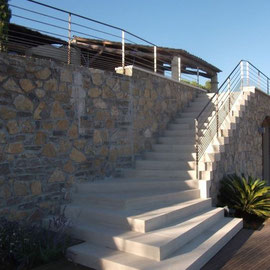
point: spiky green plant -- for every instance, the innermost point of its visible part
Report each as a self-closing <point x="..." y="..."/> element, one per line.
<point x="248" y="196"/>
<point x="5" y="15"/>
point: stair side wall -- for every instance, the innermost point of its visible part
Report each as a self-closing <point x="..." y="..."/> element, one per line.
<point x="243" y="152"/>
<point x="61" y="123"/>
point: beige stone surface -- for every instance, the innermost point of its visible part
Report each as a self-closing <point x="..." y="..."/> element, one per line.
<point x="57" y="111"/>
<point x="40" y="138"/>
<point x="43" y="74"/>
<point x="38" y="110"/>
<point x="11" y="85"/>
<point x="7" y="113"/>
<point x="12" y="127"/>
<point x="57" y="176"/>
<point x="27" y="85"/>
<point x="49" y="150"/>
<point x="36" y="188"/>
<point x="77" y="156"/>
<point x="23" y="103"/>
<point x="15" y="148"/>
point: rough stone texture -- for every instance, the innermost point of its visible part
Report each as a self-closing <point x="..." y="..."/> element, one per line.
<point x="243" y="153"/>
<point x="63" y="124"/>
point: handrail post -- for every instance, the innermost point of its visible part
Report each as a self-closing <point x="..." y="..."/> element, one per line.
<point x="197" y="147"/>
<point x="69" y="38"/>
<point x="123" y="51"/>
<point x="217" y="120"/>
<point x="229" y="88"/>
<point x="242" y="74"/>
<point x="247" y="63"/>
<point x="259" y="79"/>
<point x="155" y="59"/>
<point x="267" y="86"/>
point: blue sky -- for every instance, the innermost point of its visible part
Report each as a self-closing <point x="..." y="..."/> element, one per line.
<point x="221" y="32"/>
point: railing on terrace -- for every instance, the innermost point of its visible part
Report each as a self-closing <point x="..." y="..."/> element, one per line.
<point x="210" y="119"/>
<point x="64" y="36"/>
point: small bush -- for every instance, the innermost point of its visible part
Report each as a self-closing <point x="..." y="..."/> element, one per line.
<point x="248" y="196"/>
<point x="24" y="246"/>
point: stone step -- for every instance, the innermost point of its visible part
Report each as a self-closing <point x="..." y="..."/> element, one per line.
<point x="186" y="120"/>
<point x="131" y="200"/>
<point x="183" y="132"/>
<point x="183" y="140"/>
<point x="156" y="245"/>
<point x="173" y="126"/>
<point x="189" y="148"/>
<point x="170" y="156"/>
<point x="165" y="165"/>
<point x="138" y="220"/>
<point x="135" y="184"/>
<point x="161" y="173"/>
<point x="191" y="256"/>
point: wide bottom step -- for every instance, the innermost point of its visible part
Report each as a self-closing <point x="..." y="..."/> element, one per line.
<point x="191" y="256"/>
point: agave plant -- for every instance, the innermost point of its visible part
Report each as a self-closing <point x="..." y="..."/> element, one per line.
<point x="248" y="196"/>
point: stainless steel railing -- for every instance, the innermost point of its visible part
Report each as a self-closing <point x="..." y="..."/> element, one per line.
<point x="210" y="119"/>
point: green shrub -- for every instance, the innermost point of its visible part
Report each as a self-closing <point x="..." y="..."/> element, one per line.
<point x="248" y="196"/>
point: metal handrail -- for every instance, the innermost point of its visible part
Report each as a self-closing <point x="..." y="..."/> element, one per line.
<point x="212" y="116"/>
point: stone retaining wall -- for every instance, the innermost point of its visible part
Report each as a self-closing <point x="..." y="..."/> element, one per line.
<point x="60" y="124"/>
<point x="243" y="153"/>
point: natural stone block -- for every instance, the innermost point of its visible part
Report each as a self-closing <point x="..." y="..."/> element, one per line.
<point x="40" y="93"/>
<point x="94" y="92"/>
<point x="111" y="82"/>
<point x="57" y="176"/>
<point x="27" y="127"/>
<point x="47" y="125"/>
<point x="12" y="127"/>
<point x="66" y="75"/>
<point x="51" y="85"/>
<point x="43" y="74"/>
<point x="57" y="111"/>
<point x="73" y="132"/>
<point x="97" y="139"/>
<point x="38" y="110"/>
<point x="80" y="144"/>
<point x="49" y="150"/>
<point x="23" y="103"/>
<point x="77" y="156"/>
<point x="7" y="113"/>
<point x="20" y="188"/>
<point x="15" y="148"/>
<point x="2" y="137"/>
<point x="11" y="85"/>
<point x="104" y="151"/>
<point x="40" y="138"/>
<point x="97" y="79"/>
<point x="64" y="146"/>
<point x="68" y="167"/>
<point x="62" y="125"/>
<point x="107" y="93"/>
<point x="36" y="188"/>
<point x="100" y="104"/>
<point x="27" y="85"/>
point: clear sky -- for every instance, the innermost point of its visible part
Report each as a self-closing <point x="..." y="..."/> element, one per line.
<point x="222" y="32"/>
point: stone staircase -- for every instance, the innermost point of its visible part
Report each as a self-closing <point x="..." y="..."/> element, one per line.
<point x="153" y="216"/>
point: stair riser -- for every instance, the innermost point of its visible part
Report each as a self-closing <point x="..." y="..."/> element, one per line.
<point x="165" y="165"/>
<point x="189" y="235"/>
<point x="175" y="215"/>
<point x="139" y="186"/>
<point x="138" y="202"/>
<point x="170" y="156"/>
<point x="178" y="141"/>
<point x="178" y="133"/>
<point x="169" y="174"/>
<point x="174" y="148"/>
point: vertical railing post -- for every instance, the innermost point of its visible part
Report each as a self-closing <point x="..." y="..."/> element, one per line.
<point x="242" y="74"/>
<point x="267" y="86"/>
<point x="69" y="38"/>
<point x="217" y="120"/>
<point x="155" y="59"/>
<point x="179" y="68"/>
<point x="259" y="79"/>
<point x="229" y="89"/>
<point x="247" y="73"/>
<point x="197" y="148"/>
<point x="198" y="78"/>
<point x="123" y="51"/>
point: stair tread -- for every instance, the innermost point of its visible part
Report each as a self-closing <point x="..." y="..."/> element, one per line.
<point x="146" y="213"/>
<point x="190" y="254"/>
<point x="157" y="238"/>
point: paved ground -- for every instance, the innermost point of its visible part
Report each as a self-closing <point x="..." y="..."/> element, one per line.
<point x="248" y="250"/>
